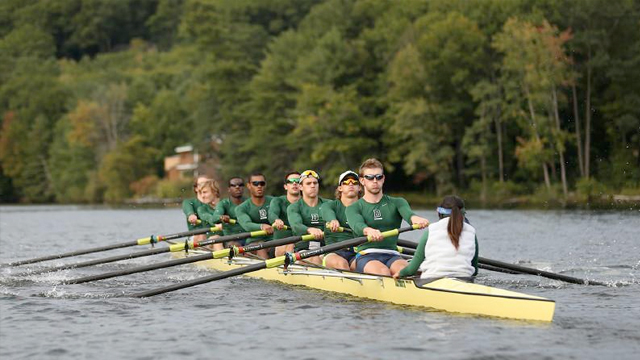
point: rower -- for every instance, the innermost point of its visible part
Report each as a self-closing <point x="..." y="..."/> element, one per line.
<point x="304" y="215"/>
<point x="226" y="210"/>
<point x="209" y="196"/>
<point x="190" y="207"/>
<point x="449" y="248"/>
<point x="252" y="213"/>
<point x="278" y="210"/>
<point x="374" y="213"/>
<point x="333" y="213"/>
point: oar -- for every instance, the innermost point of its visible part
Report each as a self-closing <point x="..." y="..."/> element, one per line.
<point x="187" y="245"/>
<point x="143" y="241"/>
<point x="278" y="261"/>
<point x="229" y="252"/>
<point x="493" y="265"/>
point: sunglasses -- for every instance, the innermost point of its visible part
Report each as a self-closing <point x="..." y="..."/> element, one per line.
<point x="236" y="185"/>
<point x="258" y="183"/>
<point x="350" y="182"/>
<point x="309" y="173"/>
<point x="292" y="181"/>
<point x="374" y="176"/>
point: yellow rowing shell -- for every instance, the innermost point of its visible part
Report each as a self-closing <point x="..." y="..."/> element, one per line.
<point x="445" y="294"/>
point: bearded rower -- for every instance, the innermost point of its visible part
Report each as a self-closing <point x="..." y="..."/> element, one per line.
<point x="304" y="215"/>
<point x="278" y="210"/>
<point x="252" y="214"/>
<point x="334" y="214"/>
<point x="374" y="213"/>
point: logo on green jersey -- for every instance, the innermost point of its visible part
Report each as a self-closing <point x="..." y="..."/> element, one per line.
<point x="377" y="214"/>
<point x="262" y="213"/>
<point x="315" y="218"/>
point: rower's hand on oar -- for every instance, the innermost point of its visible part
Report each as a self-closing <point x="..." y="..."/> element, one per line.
<point x="267" y="228"/>
<point x="278" y="224"/>
<point x="420" y="221"/>
<point x="224" y="219"/>
<point x="333" y="225"/>
<point x="317" y="233"/>
<point x="373" y="234"/>
<point x="192" y="219"/>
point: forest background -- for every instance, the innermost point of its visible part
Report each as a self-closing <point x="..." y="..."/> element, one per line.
<point x="502" y="101"/>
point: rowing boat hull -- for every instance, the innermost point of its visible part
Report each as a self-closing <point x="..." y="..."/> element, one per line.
<point x="450" y="295"/>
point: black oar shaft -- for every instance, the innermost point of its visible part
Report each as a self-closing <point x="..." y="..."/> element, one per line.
<point x="526" y="270"/>
<point x="75" y="253"/>
<point x="139" y="269"/>
<point x="110" y="259"/>
<point x="187" y="260"/>
<point x="142" y="241"/>
<point x="202" y="280"/>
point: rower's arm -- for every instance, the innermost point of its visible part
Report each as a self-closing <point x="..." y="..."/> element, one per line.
<point x="295" y="220"/>
<point x="220" y="210"/>
<point x="205" y="215"/>
<point x="418" y="257"/>
<point x="327" y="211"/>
<point x="275" y="209"/>
<point x="474" y="262"/>
<point x="404" y="209"/>
<point x="356" y="220"/>
<point x="245" y="220"/>
<point x="188" y="207"/>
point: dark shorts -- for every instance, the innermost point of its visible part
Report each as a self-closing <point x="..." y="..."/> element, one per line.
<point x="347" y="254"/>
<point x="386" y="259"/>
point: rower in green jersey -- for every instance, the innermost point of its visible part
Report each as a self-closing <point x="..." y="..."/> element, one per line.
<point x="253" y="213"/>
<point x="304" y="215"/>
<point x="278" y="211"/>
<point x="334" y="214"/>
<point x="190" y="207"/>
<point x="226" y="210"/>
<point x="375" y="213"/>
<point x="209" y="195"/>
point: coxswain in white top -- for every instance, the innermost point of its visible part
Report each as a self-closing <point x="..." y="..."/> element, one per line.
<point x="449" y="248"/>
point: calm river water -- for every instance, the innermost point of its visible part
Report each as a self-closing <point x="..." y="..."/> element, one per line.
<point x="243" y="318"/>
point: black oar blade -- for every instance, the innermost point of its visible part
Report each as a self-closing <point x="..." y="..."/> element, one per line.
<point x="202" y="280"/>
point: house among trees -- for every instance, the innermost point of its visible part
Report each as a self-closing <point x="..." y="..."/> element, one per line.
<point x="183" y="165"/>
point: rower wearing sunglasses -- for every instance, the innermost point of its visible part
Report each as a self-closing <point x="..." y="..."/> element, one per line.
<point x="304" y="215"/>
<point x="253" y="213"/>
<point x="334" y="214"/>
<point x="375" y="213"/>
<point x="278" y="210"/>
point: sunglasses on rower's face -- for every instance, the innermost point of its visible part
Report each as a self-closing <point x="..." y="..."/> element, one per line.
<point x="259" y="183"/>
<point x="293" y="181"/>
<point x="374" y="176"/>
<point x="238" y="185"/>
<point x="350" y="182"/>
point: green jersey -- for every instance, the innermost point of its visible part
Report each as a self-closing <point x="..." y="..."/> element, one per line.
<point x="190" y="207"/>
<point x="227" y="207"/>
<point x="205" y="213"/>
<point x="335" y="210"/>
<point x="251" y="217"/>
<point x="302" y="216"/>
<point x="387" y="214"/>
<point x="278" y="210"/>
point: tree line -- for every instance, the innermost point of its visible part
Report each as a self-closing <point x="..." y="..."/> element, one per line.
<point x="491" y="97"/>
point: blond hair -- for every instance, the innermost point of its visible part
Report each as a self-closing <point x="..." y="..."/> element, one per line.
<point x="371" y="163"/>
<point x="213" y="185"/>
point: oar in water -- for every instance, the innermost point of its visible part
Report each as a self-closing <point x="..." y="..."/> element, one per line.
<point x="286" y="259"/>
<point x="500" y="266"/>
<point x="143" y="241"/>
<point x="187" y="245"/>
<point x="229" y="252"/>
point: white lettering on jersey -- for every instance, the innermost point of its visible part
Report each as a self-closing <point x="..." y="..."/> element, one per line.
<point x="263" y="214"/>
<point x="377" y="214"/>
